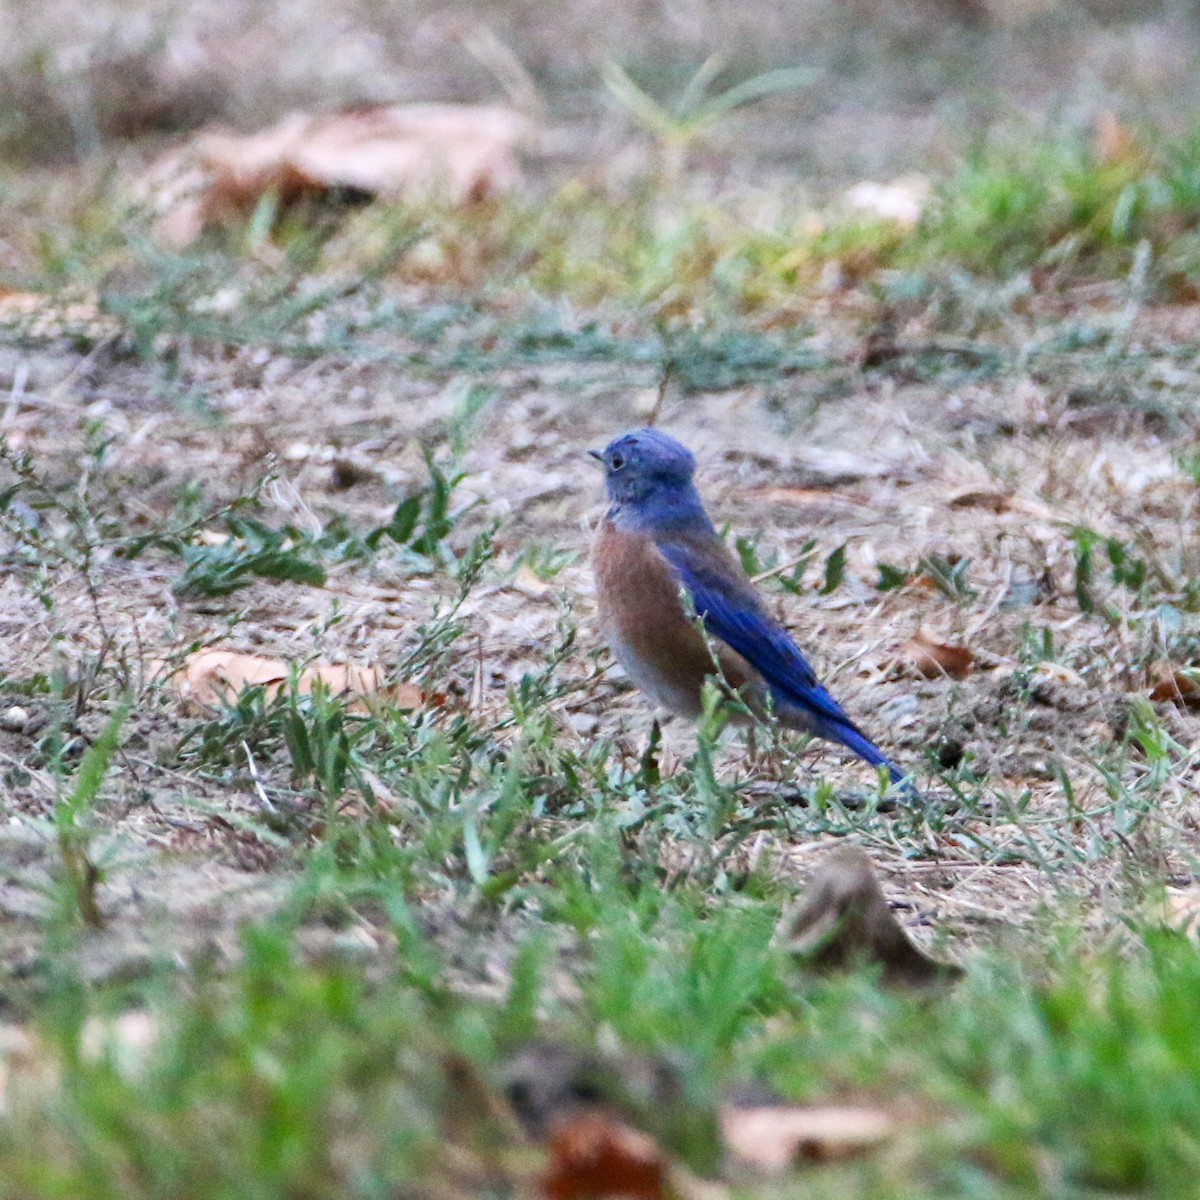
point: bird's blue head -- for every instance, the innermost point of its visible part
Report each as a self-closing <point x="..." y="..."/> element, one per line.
<point x="647" y="472"/>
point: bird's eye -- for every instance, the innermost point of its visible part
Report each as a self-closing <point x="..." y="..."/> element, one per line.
<point x="616" y="462"/>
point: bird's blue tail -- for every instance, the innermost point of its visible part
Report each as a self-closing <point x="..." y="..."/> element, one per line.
<point x="866" y="749"/>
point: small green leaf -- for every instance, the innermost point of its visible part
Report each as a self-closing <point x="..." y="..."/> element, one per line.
<point x="891" y="577"/>
<point x="950" y="577"/>
<point x="835" y="570"/>
<point x="1085" y="540"/>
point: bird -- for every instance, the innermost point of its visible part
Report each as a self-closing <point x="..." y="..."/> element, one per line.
<point x="676" y="608"/>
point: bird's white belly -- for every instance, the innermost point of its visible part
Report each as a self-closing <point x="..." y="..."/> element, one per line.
<point x="661" y="689"/>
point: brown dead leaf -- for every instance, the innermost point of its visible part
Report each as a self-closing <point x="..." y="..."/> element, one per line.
<point x="1001" y="502"/>
<point x="997" y="502"/>
<point x="460" y="153"/>
<point x="805" y="497"/>
<point x="845" y="921"/>
<point x="774" y="1138"/>
<point x="936" y="660"/>
<point x="211" y="677"/>
<point x="1174" y="684"/>
<point x="594" y="1155"/>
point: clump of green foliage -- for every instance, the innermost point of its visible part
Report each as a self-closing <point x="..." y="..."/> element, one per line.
<point x="1067" y="204"/>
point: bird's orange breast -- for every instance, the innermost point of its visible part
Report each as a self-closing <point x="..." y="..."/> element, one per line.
<point x="647" y="627"/>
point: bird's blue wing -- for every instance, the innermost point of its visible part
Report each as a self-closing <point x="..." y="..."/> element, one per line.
<point x="731" y="612"/>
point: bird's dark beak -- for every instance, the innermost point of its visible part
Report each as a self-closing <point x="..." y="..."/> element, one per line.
<point x="598" y="455"/>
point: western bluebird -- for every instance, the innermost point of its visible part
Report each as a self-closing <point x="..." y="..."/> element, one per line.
<point x="656" y="545"/>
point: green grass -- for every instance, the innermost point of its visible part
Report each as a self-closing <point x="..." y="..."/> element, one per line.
<point x="1065" y="1076"/>
<point x="1024" y="201"/>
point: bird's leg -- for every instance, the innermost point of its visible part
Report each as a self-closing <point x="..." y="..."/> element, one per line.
<point x="777" y="752"/>
<point x="752" y="748"/>
<point x="763" y="750"/>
